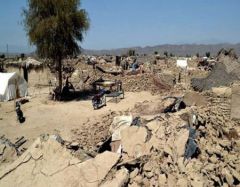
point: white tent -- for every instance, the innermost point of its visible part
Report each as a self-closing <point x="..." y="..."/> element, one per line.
<point x="182" y="64"/>
<point x="12" y="85"/>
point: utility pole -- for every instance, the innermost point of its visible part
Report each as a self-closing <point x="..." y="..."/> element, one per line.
<point x="7" y="52"/>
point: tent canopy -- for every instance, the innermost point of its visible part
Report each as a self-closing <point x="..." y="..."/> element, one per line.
<point x="12" y="86"/>
<point x="182" y="64"/>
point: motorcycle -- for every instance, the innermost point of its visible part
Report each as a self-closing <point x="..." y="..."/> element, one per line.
<point x="99" y="100"/>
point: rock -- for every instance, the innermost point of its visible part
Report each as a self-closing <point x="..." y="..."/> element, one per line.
<point x="225" y="143"/>
<point x="149" y="175"/>
<point x="148" y="166"/>
<point x="58" y="167"/>
<point x="145" y="182"/>
<point x="182" y="182"/>
<point x="153" y="126"/>
<point x="153" y="181"/>
<point x="8" y="154"/>
<point x="116" y="146"/>
<point x="210" y="167"/>
<point x="194" y="99"/>
<point x="74" y="145"/>
<point x="2" y="147"/>
<point x="171" y="180"/>
<point x="102" y="162"/>
<point x="181" y="166"/>
<point x="120" y="179"/>
<point x="167" y="149"/>
<point x="181" y="141"/>
<point x="138" y="179"/>
<point x="134" y="141"/>
<point x="225" y="185"/>
<point x="222" y="91"/>
<point x="196" y="183"/>
<point x="162" y="180"/>
<point x="226" y="173"/>
<point x="235" y="174"/>
<point x="134" y="184"/>
<point x="154" y="143"/>
<point x="213" y="159"/>
<point x="235" y="103"/>
<point x="134" y="173"/>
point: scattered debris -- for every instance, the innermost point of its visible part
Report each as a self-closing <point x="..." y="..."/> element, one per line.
<point x="216" y="78"/>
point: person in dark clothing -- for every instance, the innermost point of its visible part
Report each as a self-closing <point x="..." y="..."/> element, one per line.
<point x="25" y="72"/>
<point x="19" y="112"/>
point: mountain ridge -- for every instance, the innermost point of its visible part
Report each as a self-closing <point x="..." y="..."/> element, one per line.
<point x="176" y="49"/>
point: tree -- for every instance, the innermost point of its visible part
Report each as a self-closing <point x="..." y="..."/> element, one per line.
<point x="208" y="54"/>
<point x="166" y="53"/>
<point x="22" y="55"/>
<point x="171" y="55"/>
<point x="197" y="55"/>
<point x="155" y="52"/>
<point x="131" y="52"/>
<point x="2" y="56"/>
<point x="55" y="27"/>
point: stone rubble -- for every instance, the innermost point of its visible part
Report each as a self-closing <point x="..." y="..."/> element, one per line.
<point x="154" y="151"/>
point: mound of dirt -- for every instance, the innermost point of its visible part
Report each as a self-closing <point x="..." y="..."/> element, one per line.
<point x="217" y="77"/>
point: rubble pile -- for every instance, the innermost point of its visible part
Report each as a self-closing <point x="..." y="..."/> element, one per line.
<point x="92" y="132"/>
<point x="10" y="151"/>
<point x="48" y="163"/>
<point x="131" y="83"/>
<point x="180" y="139"/>
<point x="230" y="60"/>
<point x="225" y="71"/>
<point x="217" y="77"/>
<point x="144" y="82"/>
<point x="198" y="145"/>
<point x="215" y="160"/>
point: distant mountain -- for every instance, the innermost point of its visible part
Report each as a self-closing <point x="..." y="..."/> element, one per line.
<point x="179" y="50"/>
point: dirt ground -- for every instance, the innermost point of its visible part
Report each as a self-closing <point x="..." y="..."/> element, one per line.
<point x="44" y="116"/>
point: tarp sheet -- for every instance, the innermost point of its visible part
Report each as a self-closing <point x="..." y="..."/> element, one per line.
<point x="12" y="85"/>
<point x="119" y="123"/>
<point x="182" y="64"/>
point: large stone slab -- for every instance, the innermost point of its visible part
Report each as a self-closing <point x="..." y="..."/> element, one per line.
<point x="50" y="164"/>
<point x="194" y="99"/>
<point x="134" y="141"/>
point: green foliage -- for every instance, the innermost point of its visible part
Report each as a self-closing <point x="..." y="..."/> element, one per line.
<point x="208" y="54"/>
<point x="55" y="26"/>
<point x="22" y="56"/>
<point x="155" y="52"/>
<point x="2" y="56"/>
<point x="171" y="55"/>
<point x="197" y="55"/>
<point x="165" y="53"/>
<point x="131" y="52"/>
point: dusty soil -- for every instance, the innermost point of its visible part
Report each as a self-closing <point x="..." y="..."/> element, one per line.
<point x="44" y="116"/>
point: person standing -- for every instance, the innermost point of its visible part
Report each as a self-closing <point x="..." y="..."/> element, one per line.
<point x="25" y="71"/>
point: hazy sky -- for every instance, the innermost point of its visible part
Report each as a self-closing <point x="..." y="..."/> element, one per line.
<point x="126" y="23"/>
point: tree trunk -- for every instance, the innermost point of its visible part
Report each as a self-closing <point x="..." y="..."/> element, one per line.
<point x="60" y="73"/>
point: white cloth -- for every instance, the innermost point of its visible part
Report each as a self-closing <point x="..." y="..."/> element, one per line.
<point x="11" y="85"/>
<point x="182" y="64"/>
